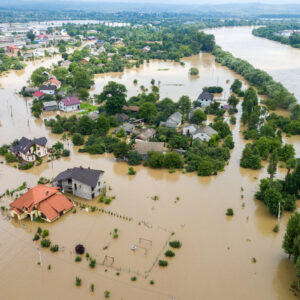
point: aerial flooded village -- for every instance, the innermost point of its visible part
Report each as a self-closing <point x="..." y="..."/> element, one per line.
<point x="149" y="152"/>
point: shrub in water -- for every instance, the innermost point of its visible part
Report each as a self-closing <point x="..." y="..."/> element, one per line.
<point x="36" y="237"/>
<point x="92" y="263"/>
<point x="78" y="281"/>
<point x="78" y="258"/>
<point x="169" y="253"/>
<point x="151" y="282"/>
<point x="175" y="244"/>
<point x="162" y="263"/>
<point x="133" y="278"/>
<point x="106" y="294"/>
<point x="54" y="248"/>
<point x="229" y="212"/>
<point x="92" y="287"/>
<point x="45" y="233"/>
<point x="45" y="243"/>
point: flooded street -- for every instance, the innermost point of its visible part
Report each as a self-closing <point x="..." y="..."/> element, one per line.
<point x="215" y="261"/>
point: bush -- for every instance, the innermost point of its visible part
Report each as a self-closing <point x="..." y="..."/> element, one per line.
<point x="229" y="212"/>
<point x="194" y="71"/>
<point x="45" y="233"/>
<point x="131" y="171"/>
<point x="151" y="282"/>
<point x="92" y="287"/>
<point x="169" y="253"/>
<point x="9" y="157"/>
<point x="36" y="237"/>
<point x="78" y="258"/>
<point x="92" y="263"/>
<point x="162" y="263"/>
<point x="45" y="243"/>
<point x="77" y="139"/>
<point x="66" y="153"/>
<point x="106" y="294"/>
<point x="134" y="158"/>
<point x="78" y="281"/>
<point x="175" y="244"/>
<point x="133" y="278"/>
<point x="54" y="248"/>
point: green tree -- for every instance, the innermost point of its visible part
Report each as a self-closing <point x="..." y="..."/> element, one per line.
<point x="115" y="96"/>
<point x="156" y="159"/>
<point x="77" y="139"/>
<point x="120" y="149"/>
<point x="173" y="160"/>
<point x="292" y="232"/>
<point x="272" y="168"/>
<point x="194" y="71"/>
<point x="184" y="104"/>
<point x="205" y="168"/>
<point x="30" y="35"/>
<point x="134" y="158"/>
<point x="228" y="142"/>
<point x="37" y="78"/>
<point x="148" y="112"/>
<point x="198" y="116"/>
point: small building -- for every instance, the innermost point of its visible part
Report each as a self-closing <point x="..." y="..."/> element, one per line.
<point x="30" y="90"/>
<point x="204" y="133"/>
<point x="146" y="49"/>
<point x="146" y="134"/>
<point x="143" y="148"/>
<point x="48" y="89"/>
<point x="38" y="95"/>
<point x="12" y="49"/>
<point x="121" y="117"/>
<point x="205" y="99"/>
<point x="69" y="104"/>
<point x="128" y="128"/>
<point x="82" y="182"/>
<point x="119" y="44"/>
<point x="27" y="149"/>
<point x="41" y="201"/>
<point x="54" y="81"/>
<point x="189" y="129"/>
<point x="49" y="105"/>
<point x="174" y="121"/>
<point x="38" y="52"/>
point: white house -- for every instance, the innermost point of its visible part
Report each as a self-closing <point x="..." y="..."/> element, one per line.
<point x="204" y="133"/>
<point x="48" y="89"/>
<point x="69" y="104"/>
<point x="189" y="129"/>
<point x="205" y="99"/>
<point x="38" y="53"/>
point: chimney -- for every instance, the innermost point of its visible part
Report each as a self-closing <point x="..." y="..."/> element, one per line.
<point x="47" y="193"/>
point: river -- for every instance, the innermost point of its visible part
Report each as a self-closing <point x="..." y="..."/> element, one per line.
<point x="215" y="261"/>
<point x="280" y="61"/>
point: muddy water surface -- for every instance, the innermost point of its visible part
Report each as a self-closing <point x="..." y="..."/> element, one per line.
<point x="215" y="260"/>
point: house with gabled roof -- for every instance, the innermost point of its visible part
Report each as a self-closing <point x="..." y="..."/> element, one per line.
<point x="69" y="104"/>
<point x="205" y="98"/>
<point x="82" y="182"/>
<point x="174" y="121"/>
<point x="204" y="133"/>
<point x="27" y="149"/>
<point x="41" y="201"/>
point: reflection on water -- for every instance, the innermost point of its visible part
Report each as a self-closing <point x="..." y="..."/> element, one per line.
<point x="215" y="251"/>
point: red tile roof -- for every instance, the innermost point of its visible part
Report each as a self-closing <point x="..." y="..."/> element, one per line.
<point x="70" y="101"/>
<point x="38" y="94"/>
<point x="131" y="108"/>
<point x="44" y="198"/>
<point x="54" y="81"/>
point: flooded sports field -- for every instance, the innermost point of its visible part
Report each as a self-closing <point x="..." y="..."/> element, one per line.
<point x="215" y="260"/>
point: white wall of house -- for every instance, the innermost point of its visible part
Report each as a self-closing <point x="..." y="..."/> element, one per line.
<point x="205" y="102"/>
<point x="48" y="92"/>
<point x="203" y="137"/>
<point x="68" y="108"/>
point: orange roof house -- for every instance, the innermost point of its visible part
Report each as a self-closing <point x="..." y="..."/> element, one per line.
<point x="54" y="81"/>
<point x="41" y="201"/>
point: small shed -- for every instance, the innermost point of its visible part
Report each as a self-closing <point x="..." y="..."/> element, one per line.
<point x="49" y="105"/>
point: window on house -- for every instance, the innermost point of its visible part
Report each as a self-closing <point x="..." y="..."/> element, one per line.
<point x="92" y="188"/>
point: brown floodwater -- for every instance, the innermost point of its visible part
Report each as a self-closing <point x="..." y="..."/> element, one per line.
<point x="215" y="259"/>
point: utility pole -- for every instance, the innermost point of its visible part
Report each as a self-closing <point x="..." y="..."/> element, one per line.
<point x="278" y="218"/>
